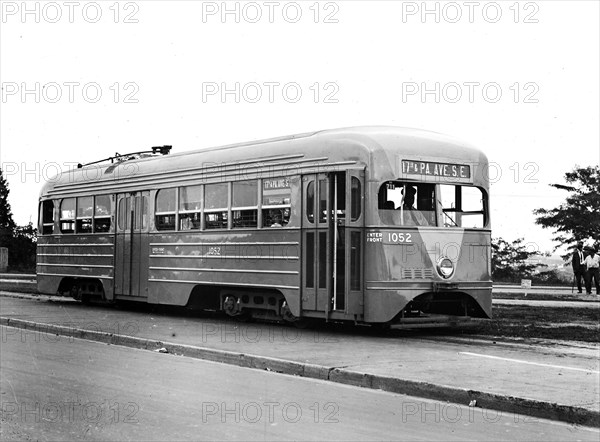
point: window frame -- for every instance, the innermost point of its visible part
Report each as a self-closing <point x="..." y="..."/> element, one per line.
<point x="42" y="225"/>
<point x="269" y="207"/>
<point x="221" y="210"/>
<point x="62" y="219"/>
<point x="81" y="218"/>
<point x="109" y="216"/>
<point x="75" y="220"/>
<point x="484" y="212"/>
<point x="186" y="212"/>
<point x="440" y="211"/>
<point x="227" y="209"/>
<point x="175" y="212"/>
<point x="254" y="208"/>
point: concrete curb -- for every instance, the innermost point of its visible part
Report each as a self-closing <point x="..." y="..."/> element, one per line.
<point x="500" y="403"/>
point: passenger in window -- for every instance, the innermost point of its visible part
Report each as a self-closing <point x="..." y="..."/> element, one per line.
<point x="389" y="205"/>
<point x="276" y="218"/>
<point x="187" y="224"/>
<point x="412" y="216"/>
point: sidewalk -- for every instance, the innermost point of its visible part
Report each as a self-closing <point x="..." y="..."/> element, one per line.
<point x="559" y="384"/>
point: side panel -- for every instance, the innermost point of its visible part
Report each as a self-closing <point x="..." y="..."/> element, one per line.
<point x="258" y="259"/>
<point x="267" y="258"/>
<point x="74" y="256"/>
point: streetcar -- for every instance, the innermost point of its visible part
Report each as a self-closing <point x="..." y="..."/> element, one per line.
<point x="371" y="225"/>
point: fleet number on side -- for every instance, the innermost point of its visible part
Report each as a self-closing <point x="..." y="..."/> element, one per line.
<point x="392" y="237"/>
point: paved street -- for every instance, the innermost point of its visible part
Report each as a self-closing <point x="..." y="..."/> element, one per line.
<point x="551" y="374"/>
<point x="75" y="389"/>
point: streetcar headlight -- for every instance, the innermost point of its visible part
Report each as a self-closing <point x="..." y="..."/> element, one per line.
<point x="445" y="268"/>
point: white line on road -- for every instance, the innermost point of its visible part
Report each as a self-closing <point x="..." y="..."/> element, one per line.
<point x="528" y="362"/>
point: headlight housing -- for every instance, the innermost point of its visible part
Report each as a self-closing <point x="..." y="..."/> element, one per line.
<point x="445" y="267"/>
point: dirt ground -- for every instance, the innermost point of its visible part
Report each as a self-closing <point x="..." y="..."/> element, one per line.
<point x="548" y="297"/>
<point x="562" y="323"/>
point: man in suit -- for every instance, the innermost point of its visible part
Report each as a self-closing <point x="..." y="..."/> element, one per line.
<point x="578" y="266"/>
<point x="592" y="265"/>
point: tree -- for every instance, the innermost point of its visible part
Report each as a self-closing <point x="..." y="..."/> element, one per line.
<point x="511" y="261"/>
<point x="23" y="248"/>
<point x="578" y="218"/>
<point x="7" y="225"/>
<point x="21" y="241"/>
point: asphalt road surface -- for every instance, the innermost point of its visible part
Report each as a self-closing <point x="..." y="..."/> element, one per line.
<point x="71" y="389"/>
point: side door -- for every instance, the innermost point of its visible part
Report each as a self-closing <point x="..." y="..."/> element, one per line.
<point x="332" y="238"/>
<point x="316" y="242"/>
<point x="131" y="260"/>
<point x="354" y="238"/>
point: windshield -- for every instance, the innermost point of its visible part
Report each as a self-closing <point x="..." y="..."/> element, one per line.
<point x="425" y="204"/>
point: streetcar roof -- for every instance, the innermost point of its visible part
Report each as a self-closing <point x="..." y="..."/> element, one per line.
<point x="381" y="146"/>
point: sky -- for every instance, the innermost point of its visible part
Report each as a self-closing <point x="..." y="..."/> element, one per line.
<point x="519" y="80"/>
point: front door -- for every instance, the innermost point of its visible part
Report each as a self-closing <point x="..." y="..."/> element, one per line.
<point x="131" y="260"/>
<point x="332" y="243"/>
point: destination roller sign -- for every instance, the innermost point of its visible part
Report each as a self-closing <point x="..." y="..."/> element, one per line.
<point x="428" y="168"/>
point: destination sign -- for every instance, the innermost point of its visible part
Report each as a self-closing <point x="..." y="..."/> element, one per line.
<point x="276" y="192"/>
<point x="279" y="183"/>
<point x="436" y="169"/>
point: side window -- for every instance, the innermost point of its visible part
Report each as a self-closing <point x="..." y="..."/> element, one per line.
<point x="473" y="207"/>
<point x="123" y="213"/>
<point x="190" y="207"/>
<point x="340" y="195"/>
<point x="166" y="209"/>
<point x="102" y="214"/>
<point x="47" y="217"/>
<point x="322" y="201"/>
<point x="67" y="215"/>
<point x="140" y="213"/>
<point x="244" y="206"/>
<point x="407" y="203"/>
<point x="216" y="203"/>
<point x="355" y="199"/>
<point x="144" y="212"/>
<point x="450" y="210"/>
<point x="310" y="202"/>
<point x="85" y="212"/>
<point x="276" y="202"/>
<point x="462" y="206"/>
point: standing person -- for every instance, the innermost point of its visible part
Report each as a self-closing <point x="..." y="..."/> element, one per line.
<point x="578" y="267"/>
<point x="592" y="263"/>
